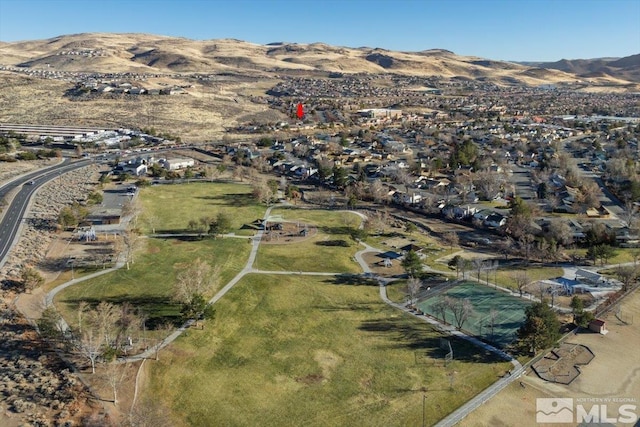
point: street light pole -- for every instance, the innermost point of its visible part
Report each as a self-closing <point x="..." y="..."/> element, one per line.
<point x="424" y="410"/>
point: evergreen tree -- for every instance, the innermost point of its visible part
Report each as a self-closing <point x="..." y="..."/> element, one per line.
<point x="541" y="328"/>
<point x="412" y="264"/>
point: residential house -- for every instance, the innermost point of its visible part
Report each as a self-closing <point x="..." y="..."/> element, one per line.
<point x="495" y="220"/>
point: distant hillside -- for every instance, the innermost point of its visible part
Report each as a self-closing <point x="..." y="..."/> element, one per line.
<point x="144" y="53"/>
<point x="627" y="68"/>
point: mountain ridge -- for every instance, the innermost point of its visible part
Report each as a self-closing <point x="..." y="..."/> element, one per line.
<point x="150" y="53"/>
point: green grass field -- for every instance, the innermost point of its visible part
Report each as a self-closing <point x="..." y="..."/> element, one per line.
<point x="504" y="276"/>
<point x="291" y="350"/>
<point x="148" y="284"/>
<point x="312" y="254"/>
<point x="175" y="205"/>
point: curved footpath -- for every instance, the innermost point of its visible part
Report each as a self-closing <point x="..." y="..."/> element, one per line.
<point x="456" y="416"/>
<point x="450" y="420"/>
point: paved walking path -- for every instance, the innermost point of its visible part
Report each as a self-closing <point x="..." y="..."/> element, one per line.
<point x="486" y="394"/>
<point x="450" y="420"/>
<point x="248" y="268"/>
<point x="483" y="396"/>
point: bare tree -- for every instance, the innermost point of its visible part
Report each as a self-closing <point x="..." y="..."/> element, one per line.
<point x="349" y="219"/>
<point x="261" y="164"/>
<point x="114" y="375"/>
<point x="196" y="279"/>
<point x="164" y="333"/>
<point x="377" y="222"/>
<point x="462" y="309"/>
<point x="493" y="316"/>
<point x="488" y="183"/>
<point x="403" y="177"/>
<point x="561" y="232"/>
<point x="464" y="185"/>
<point x="452" y="238"/>
<point x="590" y="193"/>
<point x="262" y="192"/>
<point x="378" y="192"/>
<point x="463" y="266"/>
<point x="358" y="190"/>
<point x="521" y="280"/>
<point x="626" y="275"/>
<point x="553" y="201"/>
<point x="152" y="222"/>
<point x="413" y="287"/>
<point x="490" y="266"/>
<point x="240" y="172"/>
<point x="129" y="244"/>
<point x="542" y="288"/>
<point x="89" y="346"/>
<point x="129" y="324"/>
<point x="526" y="243"/>
<point x="630" y="214"/>
<point x="479" y="265"/>
<point x="209" y="172"/>
<point x="132" y="208"/>
<point x="104" y="319"/>
<point x="440" y="307"/>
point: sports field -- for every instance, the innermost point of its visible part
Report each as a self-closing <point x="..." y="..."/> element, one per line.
<point x="509" y="312"/>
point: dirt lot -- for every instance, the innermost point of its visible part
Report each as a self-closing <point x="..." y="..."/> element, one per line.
<point x="613" y="374"/>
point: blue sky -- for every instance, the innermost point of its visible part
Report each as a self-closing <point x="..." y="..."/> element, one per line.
<point x="520" y="30"/>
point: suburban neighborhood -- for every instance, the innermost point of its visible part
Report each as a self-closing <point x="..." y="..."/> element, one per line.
<point x="233" y="233"/>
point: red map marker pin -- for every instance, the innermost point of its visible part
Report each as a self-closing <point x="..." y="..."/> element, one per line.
<point x="300" y="112"/>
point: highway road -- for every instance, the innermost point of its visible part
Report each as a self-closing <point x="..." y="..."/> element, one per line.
<point x="14" y="213"/>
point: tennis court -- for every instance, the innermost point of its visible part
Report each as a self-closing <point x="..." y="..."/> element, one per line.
<point x="508" y="316"/>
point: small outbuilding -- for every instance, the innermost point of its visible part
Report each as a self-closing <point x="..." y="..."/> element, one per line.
<point x="598" y="325"/>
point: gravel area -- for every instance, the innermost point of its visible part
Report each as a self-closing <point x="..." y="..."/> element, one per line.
<point x="36" y="387"/>
<point x="11" y="170"/>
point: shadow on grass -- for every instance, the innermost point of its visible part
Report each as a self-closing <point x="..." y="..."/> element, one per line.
<point x="352" y="279"/>
<point x="184" y="236"/>
<point x="339" y="242"/>
<point x="234" y="199"/>
<point x="355" y="306"/>
<point x="336" y="230"/>
<point x="172" y="231"/>
<point x="405" y="335"/>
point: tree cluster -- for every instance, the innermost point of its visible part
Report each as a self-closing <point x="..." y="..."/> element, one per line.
<point x="601" y="252"/>
<point x="212" y="226"/>
<point x="192" y="284"/>
<point x="71" y="216"/>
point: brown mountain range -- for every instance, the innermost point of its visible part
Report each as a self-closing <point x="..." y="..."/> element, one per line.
<point x="101" y="52"/>
<point x="627" y="68"/>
